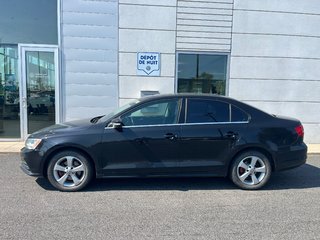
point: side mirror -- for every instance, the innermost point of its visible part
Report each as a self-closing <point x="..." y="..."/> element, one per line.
<point x="116" y="124"/>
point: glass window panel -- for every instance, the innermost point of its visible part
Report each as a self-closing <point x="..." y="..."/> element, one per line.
<point x="9" y="92"/>
<point x="32" y="21"/>
<point x="165" y="112"/>
<point x="238" y="115"/>
<point x="40" y="90"/>
<point x="200" y="111"/>
<point x="202" y="73"/>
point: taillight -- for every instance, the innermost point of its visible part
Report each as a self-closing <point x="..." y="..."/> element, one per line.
<point x="299" y="130"/>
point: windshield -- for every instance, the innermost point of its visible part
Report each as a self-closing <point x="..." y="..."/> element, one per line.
<point x="118" y="110"/>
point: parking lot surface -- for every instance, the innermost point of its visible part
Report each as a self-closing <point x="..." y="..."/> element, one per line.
<point x="167" y="208"/>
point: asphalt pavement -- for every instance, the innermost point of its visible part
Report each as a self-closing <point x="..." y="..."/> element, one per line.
<point x="166" y="208"/>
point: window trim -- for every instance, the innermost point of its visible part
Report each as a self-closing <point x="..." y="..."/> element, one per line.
<point x="228" y="54"/>
<point x="183" y="124"/>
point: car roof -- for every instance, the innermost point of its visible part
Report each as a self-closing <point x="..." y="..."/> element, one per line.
<point x="202" y="95"/>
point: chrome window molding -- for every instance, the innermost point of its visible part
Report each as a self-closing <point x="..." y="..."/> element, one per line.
<point x="182" y="124"/>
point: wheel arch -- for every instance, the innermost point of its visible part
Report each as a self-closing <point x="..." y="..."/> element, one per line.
<point x="253" y="148"/>
<point x="66" y="148"/>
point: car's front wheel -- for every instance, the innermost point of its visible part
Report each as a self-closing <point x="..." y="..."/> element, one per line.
<point x="69" y="171"/>
<point x="250" y="170"/>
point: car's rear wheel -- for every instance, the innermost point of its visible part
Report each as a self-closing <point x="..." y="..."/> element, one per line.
<point x="250" y="170"/>
<point x="69" y="171"/>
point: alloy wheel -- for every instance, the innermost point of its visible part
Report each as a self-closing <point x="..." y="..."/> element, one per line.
<point x="251" y="170"/>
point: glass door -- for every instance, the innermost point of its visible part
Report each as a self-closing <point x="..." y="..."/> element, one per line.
<point x="40" y="88"/>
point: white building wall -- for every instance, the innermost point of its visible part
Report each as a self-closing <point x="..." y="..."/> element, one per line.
<point x="89" y="46"/>
<point x="204" y="25"/>
<point x="146" y="26"/>
<point x="275" y="59"/>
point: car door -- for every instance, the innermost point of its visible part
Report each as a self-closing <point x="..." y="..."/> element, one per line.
<point x="147" y="143"/>
<point x="207" y="136"/>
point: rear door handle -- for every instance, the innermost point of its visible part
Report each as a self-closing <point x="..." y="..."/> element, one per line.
<point x="170" y="136"/>
<point x="231" y="135"/>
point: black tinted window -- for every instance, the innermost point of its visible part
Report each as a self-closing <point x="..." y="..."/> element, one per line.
<point x="159" y="112"/>
<point x="207" y="111"/>
<point x="238" y="115"/>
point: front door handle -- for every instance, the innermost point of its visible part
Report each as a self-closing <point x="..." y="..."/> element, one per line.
<point x="231" y="135"/>
<point x="170" y="136"/>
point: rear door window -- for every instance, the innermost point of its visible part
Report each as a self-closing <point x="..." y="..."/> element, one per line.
<point x="202" y="110"/>
<point x="237" y="115"/>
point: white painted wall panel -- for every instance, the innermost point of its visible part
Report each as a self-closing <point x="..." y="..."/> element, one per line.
<point x="206" y="17"/>
<point x="196" y="29"/>
<point x="81" y="18"/>
<point x="89" y="43"/>
<point x="89" y="53"/>
<point x="131" y="86"/>
<point x="203" y="47"/>
<point x="274" y="68"/>
<point x="99" y="89"/>
<point x="92" y="78"/>
<point x="298" y="6"/>
<point x="84" y="6"/>
<point x="74" y="30"/>
<point x="225" y="41"/>
<point x="312" y="132"/>
<point x="217" y="1"/>
<point x="91" y="67"/>
<point x="207" y="5"/>
<point x="87" y="112"/>
<point x="203" y="23"/>
<point x="171" y="3"/>
<point x="205" y="11"/>
<point x="275" y="90"/>
<point x="90" y="102"/>
<point x="204" y="35"/>
<point x="275" y="46"/>
<point x="275" y="23"/>
<point x="147" y="17"/>
<point x="146" y="40"/>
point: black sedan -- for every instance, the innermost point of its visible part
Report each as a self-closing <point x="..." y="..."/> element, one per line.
<point x="168" y="135"/>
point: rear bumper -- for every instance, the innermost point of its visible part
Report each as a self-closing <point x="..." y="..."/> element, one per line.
<point x="293" y="157"/>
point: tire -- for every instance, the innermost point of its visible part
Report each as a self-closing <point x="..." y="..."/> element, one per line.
<point x="250" y="170"/>
<point x="69" y="171"/>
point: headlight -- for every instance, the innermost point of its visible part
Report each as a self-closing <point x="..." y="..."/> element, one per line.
<point x="32" y="143"/>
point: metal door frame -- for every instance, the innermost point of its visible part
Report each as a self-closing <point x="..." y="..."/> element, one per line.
<point x="22" y="49"/>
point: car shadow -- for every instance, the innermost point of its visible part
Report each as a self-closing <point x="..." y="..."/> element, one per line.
<point x="306" y="176"/>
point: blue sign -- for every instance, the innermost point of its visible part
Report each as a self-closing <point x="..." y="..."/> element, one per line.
<point x="148" y="64"/>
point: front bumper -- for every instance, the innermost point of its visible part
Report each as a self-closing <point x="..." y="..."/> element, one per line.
<point x="31" y="161"/>
<point x="291" y="158"/>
